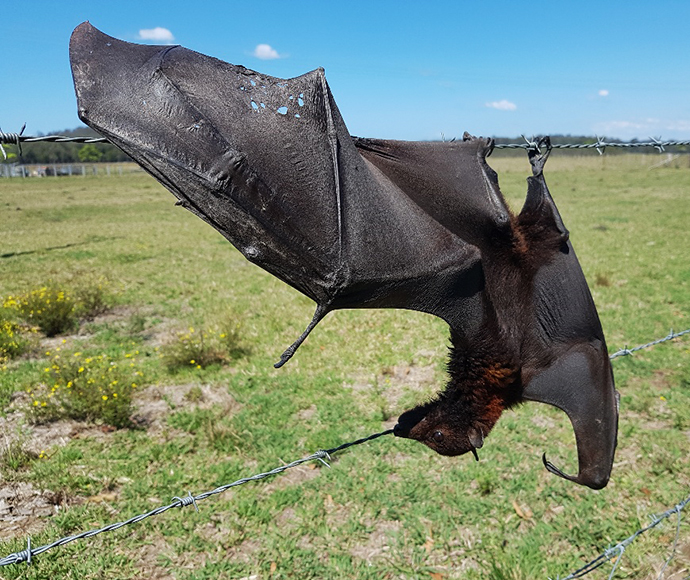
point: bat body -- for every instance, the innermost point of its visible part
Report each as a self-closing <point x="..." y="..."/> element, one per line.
<point x="366" y="223"/>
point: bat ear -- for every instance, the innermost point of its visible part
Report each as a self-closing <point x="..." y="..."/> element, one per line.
<point x="476" y="437"/>
<point x="581" y="384"/>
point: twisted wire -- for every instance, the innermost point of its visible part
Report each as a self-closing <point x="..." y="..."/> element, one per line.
<point x="322" y="455"/>
<point x="17" y="138"/>
<point x="600" y="144"/>
<point x="628" y="351"/>
<point x="618" y="550"/>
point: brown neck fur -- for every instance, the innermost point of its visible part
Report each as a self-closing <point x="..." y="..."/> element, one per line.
<point x="483" y="379"/>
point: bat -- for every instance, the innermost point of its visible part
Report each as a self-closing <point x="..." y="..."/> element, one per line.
<point x="370" y="223"/>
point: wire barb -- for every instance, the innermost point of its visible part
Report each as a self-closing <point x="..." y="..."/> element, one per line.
<point x="189" y="499"/>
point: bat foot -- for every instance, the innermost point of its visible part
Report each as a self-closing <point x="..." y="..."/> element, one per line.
<point x="537" y="157"/>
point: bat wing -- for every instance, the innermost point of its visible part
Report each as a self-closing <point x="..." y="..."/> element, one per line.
<point x="269" y="163"/>
<point x="575" y="372"/>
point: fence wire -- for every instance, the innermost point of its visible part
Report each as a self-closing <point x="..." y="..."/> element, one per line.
<point x="628" y="351"/>
<point x="618" y="550"/>
<point x="324" y="456"/>
<point x="600" y="144"/>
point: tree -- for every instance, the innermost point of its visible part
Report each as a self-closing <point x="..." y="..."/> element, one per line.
<point x="88" y="153"/>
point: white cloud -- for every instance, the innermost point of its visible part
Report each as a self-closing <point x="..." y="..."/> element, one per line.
<point x="265" y="52"/>
<point x="502" y="105"/>
<point x="604" y="93"/>
<point x="158" y="34"/>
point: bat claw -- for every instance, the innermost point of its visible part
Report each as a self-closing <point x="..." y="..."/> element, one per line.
<point x="592" y="478"/>
<point x="551" y="468"/>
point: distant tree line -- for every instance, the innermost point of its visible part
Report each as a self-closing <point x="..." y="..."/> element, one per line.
<point x="45" y="152"/>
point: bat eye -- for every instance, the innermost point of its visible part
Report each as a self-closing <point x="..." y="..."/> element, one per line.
<point x="437" y="436"/>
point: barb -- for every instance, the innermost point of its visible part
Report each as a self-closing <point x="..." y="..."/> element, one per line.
<point x="13" y="138"/>
<point x="322" y="455"/>
<point x="600" y="144"/>
<point x="628" y="351"/>
<point x="618" y="550"/>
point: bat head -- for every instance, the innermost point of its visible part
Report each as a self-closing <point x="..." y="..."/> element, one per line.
<point x="447" y="425"/>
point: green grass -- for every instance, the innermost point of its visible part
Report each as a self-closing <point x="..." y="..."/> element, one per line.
<point x="387" y="509"/>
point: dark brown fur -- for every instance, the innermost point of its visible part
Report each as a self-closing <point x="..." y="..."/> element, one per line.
<point x="486" y="369"/>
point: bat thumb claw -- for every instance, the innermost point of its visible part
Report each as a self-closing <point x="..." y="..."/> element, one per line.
<point x="286" y="356"/>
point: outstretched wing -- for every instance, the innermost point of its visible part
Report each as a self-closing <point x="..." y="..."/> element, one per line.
<point x="270" y="164"/>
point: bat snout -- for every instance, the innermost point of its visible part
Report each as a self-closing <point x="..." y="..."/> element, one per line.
<point x="400" y="431"/>
<point x="408" y="421"/>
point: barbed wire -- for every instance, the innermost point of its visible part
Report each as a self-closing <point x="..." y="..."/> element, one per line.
<point x="600" y="144"/>
<point x="618" y="550"/>
<point x="324" y="456"/>
<point x="628" y="351"/>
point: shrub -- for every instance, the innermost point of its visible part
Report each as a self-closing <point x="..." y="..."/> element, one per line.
<point x="55" y="310"/>
<point x="12" y="343"/>
<point x="94" y="388"/>
<point x="200" y="348"/>
<point x="91" y="298"/>
<point x="14" y="337"/>
<point x="49" y="308"/>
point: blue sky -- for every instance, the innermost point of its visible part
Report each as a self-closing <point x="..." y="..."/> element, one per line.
<point x="401" y="70"/>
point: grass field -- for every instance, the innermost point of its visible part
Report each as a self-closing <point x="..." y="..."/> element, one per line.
<point x="387" y="509"/>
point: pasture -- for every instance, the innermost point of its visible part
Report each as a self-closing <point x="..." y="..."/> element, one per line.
<point x="387" y="509"/>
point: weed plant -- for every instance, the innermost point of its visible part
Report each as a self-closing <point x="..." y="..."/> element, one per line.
<point x="14" y="339"/>
<point x="14" y="456"/>
<point x="55" y="309"/>
<point x="49" y="308"/>
<point x="200" y="348"/>
<point x="93" y="388"/>
<point x="92" y="297"/>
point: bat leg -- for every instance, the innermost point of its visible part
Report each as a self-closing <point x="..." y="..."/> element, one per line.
<point x="539" y="205"/>
<point x="321" y="311"/>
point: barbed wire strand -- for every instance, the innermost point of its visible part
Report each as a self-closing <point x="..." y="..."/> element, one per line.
<point x="324" y="456"/>
<point x="618" y="550"/>
<point x="628" y="351"/>
<point x="600" y="144"/>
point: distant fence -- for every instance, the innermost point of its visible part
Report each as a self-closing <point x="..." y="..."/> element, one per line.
<point x="67" y="169"/>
